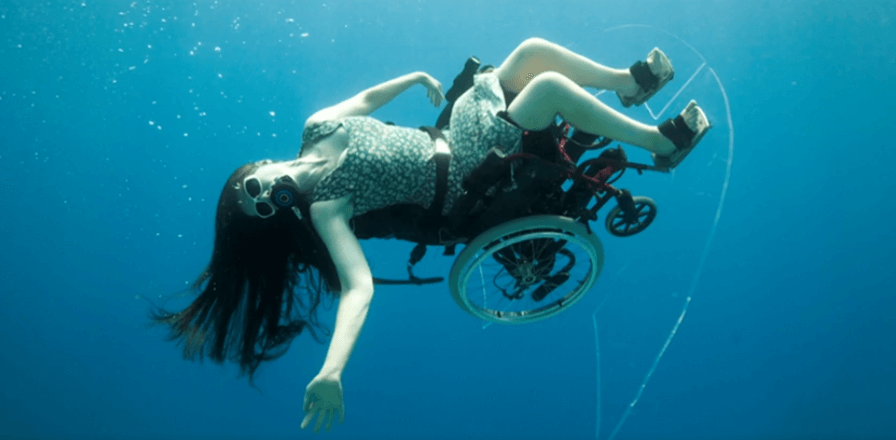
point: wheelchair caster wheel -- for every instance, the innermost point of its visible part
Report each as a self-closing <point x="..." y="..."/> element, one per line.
<point x="625" y="223"/>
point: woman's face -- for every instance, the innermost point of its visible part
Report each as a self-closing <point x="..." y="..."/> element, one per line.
<point x="255" y="189"/>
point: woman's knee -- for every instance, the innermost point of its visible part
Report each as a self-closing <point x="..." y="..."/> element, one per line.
<point x="527" y="60"/>
<point x="539" y="101"/>
<point x="533" y="45"/>
<point x="549" y="83"/>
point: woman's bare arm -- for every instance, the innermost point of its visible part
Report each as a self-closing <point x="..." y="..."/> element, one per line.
<point x="331" y="220"/>
<point x="370" y="100"/>
<point x="323" y="396"/>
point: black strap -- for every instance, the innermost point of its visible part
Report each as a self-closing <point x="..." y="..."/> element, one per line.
<point x="677" y="131"/>
<point x="433" y="214"/>
<point x="443" y="160"/>
<point x="462" y="82"/>
<point x="643" y="76"/>
<point x="416" y="255"/>
<point x="413" y="281"/>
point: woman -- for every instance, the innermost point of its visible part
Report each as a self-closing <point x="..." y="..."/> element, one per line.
<point x="268" y="273"/>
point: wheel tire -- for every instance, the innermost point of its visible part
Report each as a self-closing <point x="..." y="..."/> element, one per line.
<point x="617" y="226"/>
<point x="481" y="248"/>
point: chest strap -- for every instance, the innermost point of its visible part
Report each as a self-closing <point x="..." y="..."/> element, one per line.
<point x="442" y="157"/>
<point x="433" y="216"/>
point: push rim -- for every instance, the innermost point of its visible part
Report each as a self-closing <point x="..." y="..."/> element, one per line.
<point x="499" y="275"/>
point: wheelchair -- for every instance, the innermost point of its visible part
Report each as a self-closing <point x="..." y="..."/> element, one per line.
<point x="547" y="257"/>
<point x="525" y="219"/>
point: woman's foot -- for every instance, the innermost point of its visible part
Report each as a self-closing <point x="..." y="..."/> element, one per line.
<point x="649" y="77"/>
<point x="685" y="131"/>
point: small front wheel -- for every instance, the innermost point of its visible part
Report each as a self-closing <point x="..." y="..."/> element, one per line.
<point x="625" y="224"/>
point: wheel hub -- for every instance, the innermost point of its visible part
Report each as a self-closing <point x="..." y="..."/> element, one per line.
<point x="525" y="273"/>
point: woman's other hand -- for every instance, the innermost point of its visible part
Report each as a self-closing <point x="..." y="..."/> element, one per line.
<point x="323" y="396"/>
<point x="433" y="88"/>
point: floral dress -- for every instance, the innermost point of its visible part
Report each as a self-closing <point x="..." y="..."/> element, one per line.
<point x="386" y="165"/>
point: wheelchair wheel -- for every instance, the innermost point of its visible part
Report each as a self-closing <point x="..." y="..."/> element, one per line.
<point x="526" y="270"/>
<point x="625" y="224"/>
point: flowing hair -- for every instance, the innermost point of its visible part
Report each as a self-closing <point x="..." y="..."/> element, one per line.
<point x="261" y="289"/>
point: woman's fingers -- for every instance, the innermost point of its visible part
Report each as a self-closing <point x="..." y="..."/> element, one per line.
<point x="307" y="419"/>
<point x="321" y="415"/>
<point x="434" y="91"/>
<point x="330" y="419"/>
<point x="320" y="419"/>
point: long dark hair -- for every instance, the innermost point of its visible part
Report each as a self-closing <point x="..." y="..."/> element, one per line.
<point x="261" y="289"/>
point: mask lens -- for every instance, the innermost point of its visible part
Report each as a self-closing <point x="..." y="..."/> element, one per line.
<point x="253" y="187"/>
<point x="264" y="210"/>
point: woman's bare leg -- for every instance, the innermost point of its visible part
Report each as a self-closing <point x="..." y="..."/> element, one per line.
<point x="552" y="93"/>
<point x="549" y="79"/>
<point x="536" y="56"/>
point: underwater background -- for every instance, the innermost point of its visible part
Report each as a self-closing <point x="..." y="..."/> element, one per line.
<point x="121" y="120"/>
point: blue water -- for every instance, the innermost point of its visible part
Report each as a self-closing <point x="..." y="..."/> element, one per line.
<point x="121" y="121"/>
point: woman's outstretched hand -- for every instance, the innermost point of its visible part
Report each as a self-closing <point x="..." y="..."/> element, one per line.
<point x="433" y="88"/>
<point x="323" y="396"/>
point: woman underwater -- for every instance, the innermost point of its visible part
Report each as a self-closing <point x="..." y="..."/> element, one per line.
<point x="268" y="273"/>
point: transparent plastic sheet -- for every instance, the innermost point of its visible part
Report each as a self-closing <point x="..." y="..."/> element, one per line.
<point x="649" y="279"/>
<point x="646" y="290"/>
